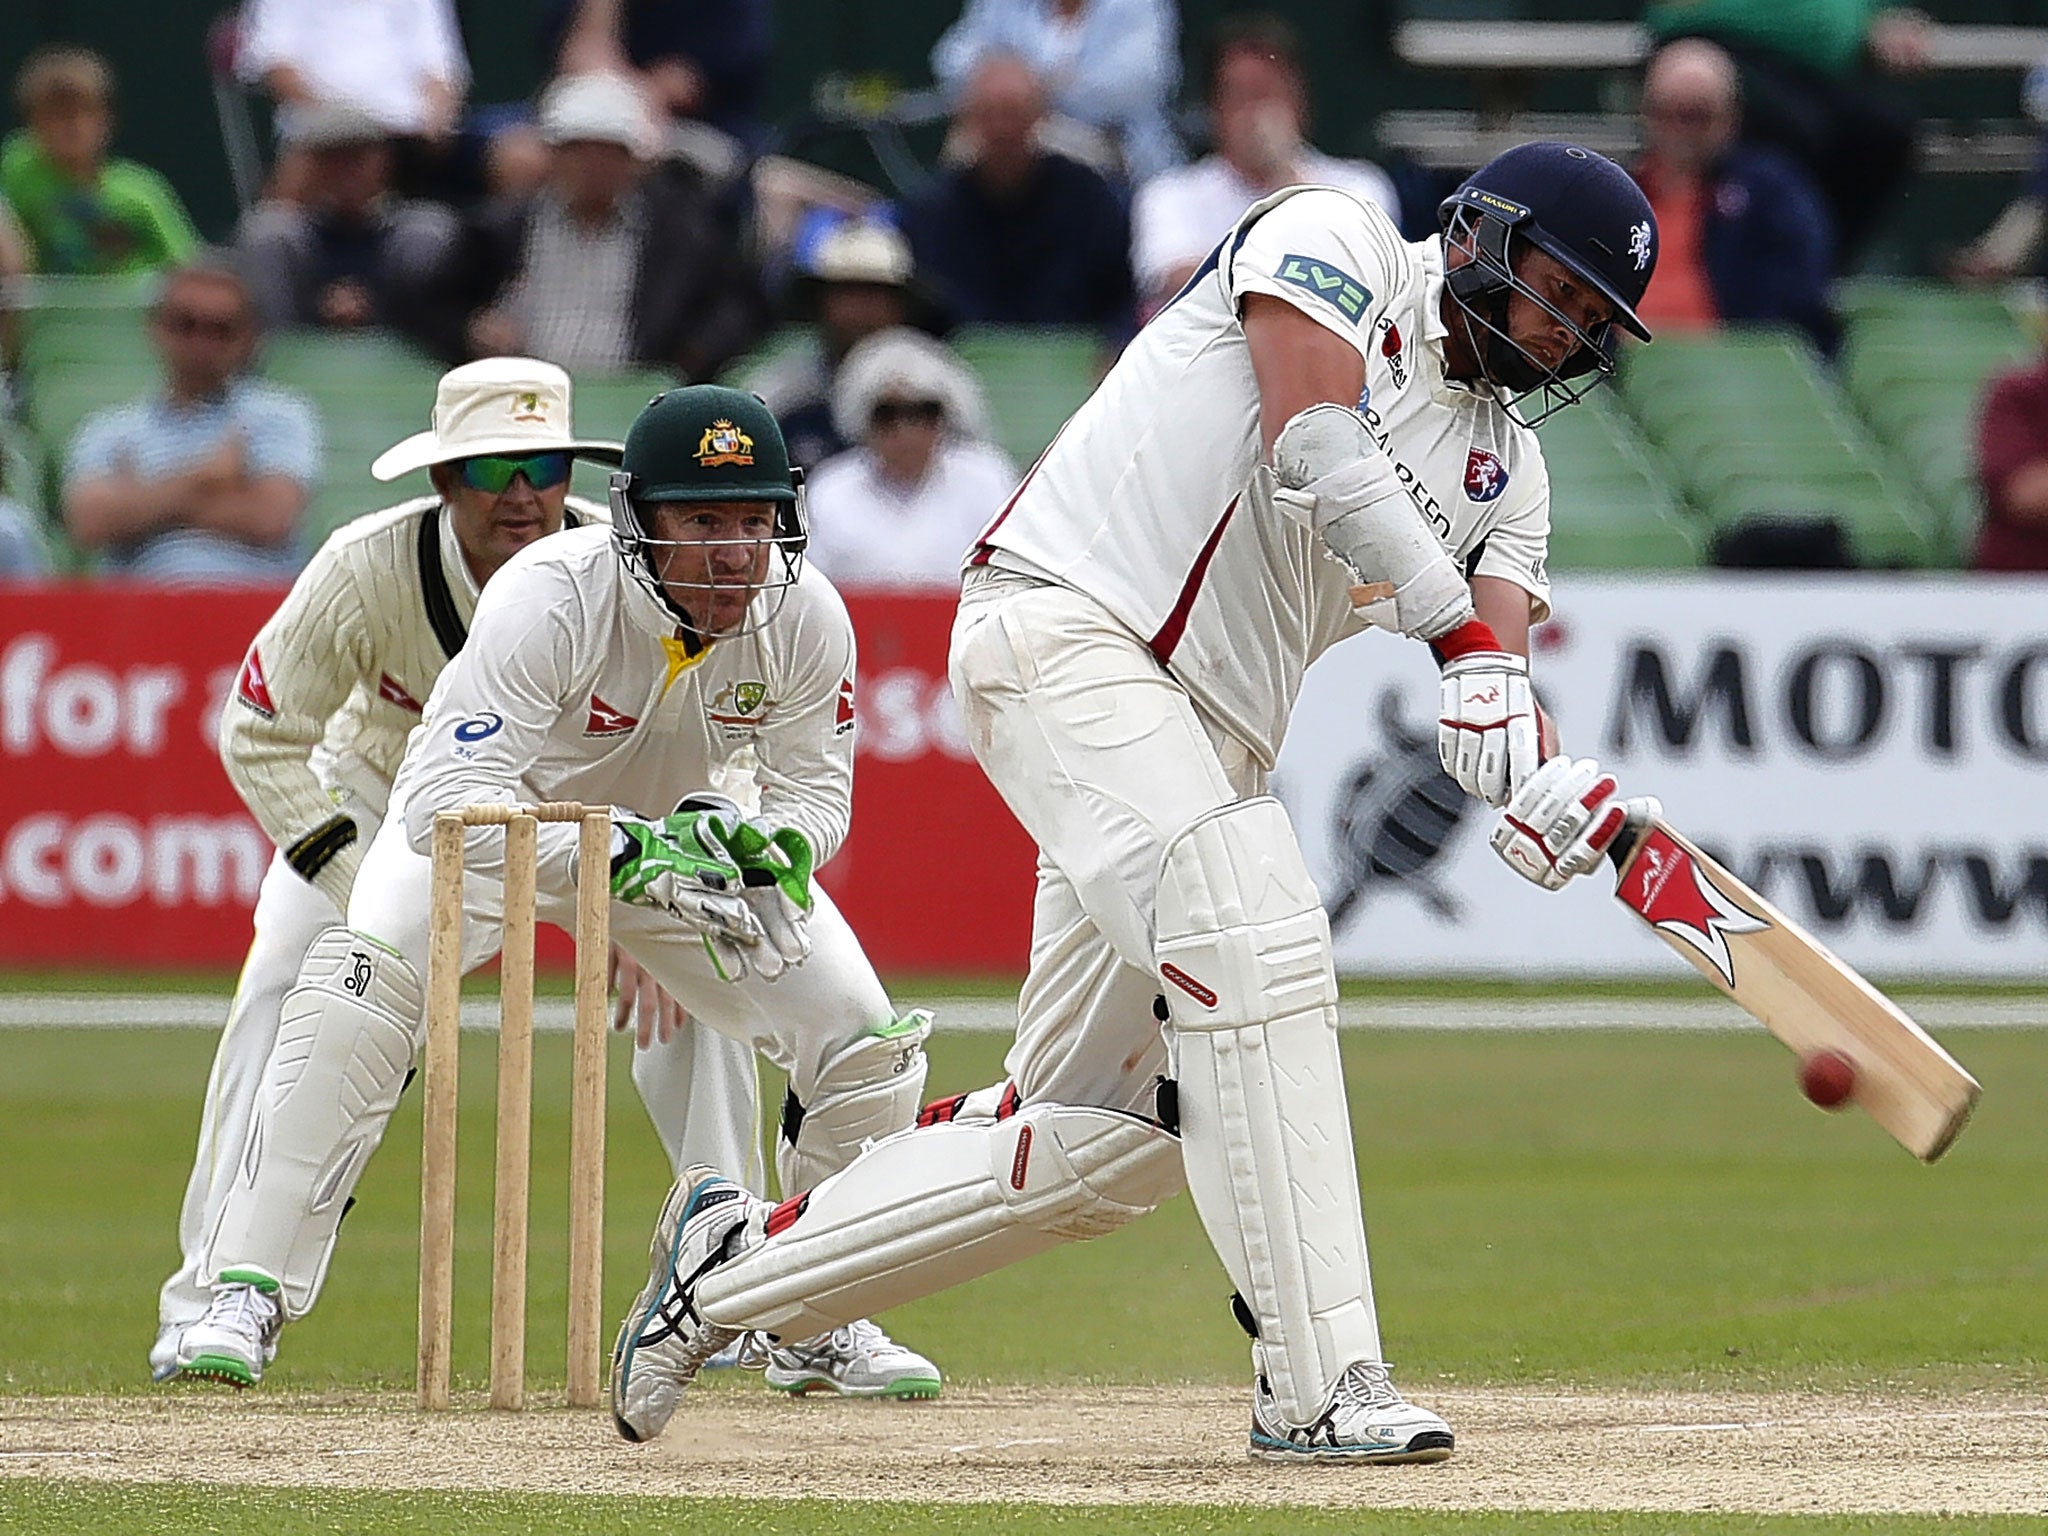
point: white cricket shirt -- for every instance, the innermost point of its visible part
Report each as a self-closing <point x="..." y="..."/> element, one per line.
<point x="337" y="675"/>
<point x="1147" y="500"/>
<point x="577" y="685"/>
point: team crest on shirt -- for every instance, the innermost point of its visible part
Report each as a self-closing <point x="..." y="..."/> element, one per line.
<point x="724" y="443"/>
<point x="1485" y="476"/>
<point x="740" y="704"/>
<point x="1392" y="349"/>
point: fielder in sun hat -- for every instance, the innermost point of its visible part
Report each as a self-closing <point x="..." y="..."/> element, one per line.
<point x="496" y="406"/>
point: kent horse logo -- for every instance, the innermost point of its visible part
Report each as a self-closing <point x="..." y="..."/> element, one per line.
<point x="1485" y="476"/>
<point x="1330" y="284"/>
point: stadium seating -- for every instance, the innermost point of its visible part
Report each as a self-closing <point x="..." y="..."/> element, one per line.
<point x="1612" y="503"/>
<point x="1758" y="433"/>
<point x="1916" y="363"/>
<point x="1034" y="376"/>
<point x="370" y="390"/>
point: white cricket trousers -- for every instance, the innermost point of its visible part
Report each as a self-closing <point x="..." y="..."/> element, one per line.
<point x="1103" y="757"/>
<point x="699" y="1089"/>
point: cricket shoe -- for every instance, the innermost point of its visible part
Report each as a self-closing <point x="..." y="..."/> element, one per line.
<point x="1363" y="1419"/>
<point x="163" y="1354"/>
<point x="238" y="1335"/>
<point x="858" y="1360"/>
<point x="664" y="1341"/>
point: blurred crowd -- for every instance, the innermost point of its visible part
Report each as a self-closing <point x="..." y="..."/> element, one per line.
<point x="627" y="218"/>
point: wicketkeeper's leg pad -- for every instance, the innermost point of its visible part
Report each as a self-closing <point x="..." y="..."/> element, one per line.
<point x="345" y="1041"/>
<point x="940" y="1205"/>
<point x="1244" y="958"/>
<point x="863" y="1092"/>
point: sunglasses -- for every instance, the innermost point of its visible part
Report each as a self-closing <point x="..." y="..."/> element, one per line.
<point x="493" y="472"/>
<point x="923" y="413"/>
<point x="182" y="322"/>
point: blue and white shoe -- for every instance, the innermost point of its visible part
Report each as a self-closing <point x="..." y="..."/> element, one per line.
<point x="664" y="1342"/>
<point x="1364" y="1419"/>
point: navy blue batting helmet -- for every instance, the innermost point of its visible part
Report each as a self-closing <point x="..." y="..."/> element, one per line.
<point x="1582" y="210"/>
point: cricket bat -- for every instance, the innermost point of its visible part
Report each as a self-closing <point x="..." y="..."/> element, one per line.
<point x="1790" y="982"/>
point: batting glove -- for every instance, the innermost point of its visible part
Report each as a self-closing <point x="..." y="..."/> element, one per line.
<point x="1486" y="734"/>
<point x="1562" y="820"/>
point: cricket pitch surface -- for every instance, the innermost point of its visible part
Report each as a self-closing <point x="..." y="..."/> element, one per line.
<point x="1518" y="1449"/>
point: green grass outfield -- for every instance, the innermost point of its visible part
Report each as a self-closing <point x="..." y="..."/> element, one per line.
<point x="1606" y="1209"/>
<point x="133" y="1510"/>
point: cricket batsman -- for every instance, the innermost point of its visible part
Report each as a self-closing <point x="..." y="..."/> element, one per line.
<point x="1328" y="428"/>
<point x="674" y="663"/>
<point x="313" y="732"/>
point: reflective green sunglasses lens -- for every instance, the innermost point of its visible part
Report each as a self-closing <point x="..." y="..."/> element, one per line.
<point x="493" y="473"/>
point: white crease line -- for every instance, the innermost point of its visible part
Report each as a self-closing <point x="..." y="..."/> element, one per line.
<point x="57" y="1456"/>
<point x="998" y="1445"/>
<point x="367" y="1451"/>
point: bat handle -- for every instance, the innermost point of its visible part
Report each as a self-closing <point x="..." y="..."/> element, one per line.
<point x="1627" y="840"/>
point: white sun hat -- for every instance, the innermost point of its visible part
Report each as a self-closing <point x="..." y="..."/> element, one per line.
<point x="497" y="405"/>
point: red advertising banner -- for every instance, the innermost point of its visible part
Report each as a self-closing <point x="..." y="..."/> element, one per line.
<point x="122" y="844"/>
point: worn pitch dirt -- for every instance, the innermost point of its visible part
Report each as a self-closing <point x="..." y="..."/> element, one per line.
<point x="1534" y="1449"/>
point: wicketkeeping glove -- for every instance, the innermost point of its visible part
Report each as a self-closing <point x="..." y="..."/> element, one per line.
<point x="1562" y="820"/>
<point x="775" y="865"/>
<point x="680" y="865"/>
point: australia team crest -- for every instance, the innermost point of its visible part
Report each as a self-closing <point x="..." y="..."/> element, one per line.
<point x="724" y="443"/>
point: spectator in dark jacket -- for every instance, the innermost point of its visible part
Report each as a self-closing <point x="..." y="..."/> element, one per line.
<point x="1018" y="235"/>
<point x="352" y="253"/>
<point x="1745" y="235"/>
<point x="616" y="261"/>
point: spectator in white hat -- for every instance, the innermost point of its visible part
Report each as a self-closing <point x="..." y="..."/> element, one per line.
<point x="853" y="279"/>
<point x="619" y="259"/>
<point x="897" y="512"/>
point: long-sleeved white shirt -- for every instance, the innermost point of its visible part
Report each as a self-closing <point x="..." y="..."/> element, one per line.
<point x="577" y="684"/>
<point x="336" y="678"/>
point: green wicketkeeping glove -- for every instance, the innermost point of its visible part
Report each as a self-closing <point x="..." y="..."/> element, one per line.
<point x="680" y="865"/>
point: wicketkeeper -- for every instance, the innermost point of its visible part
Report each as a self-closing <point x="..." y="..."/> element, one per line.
<point x="312" y="735"/>
<point x="673" y="666"/>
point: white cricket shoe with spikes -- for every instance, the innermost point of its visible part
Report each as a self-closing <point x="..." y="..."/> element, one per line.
<point x="238" y="1335"/>
<point x="1363" y="1419"/>
<point x="664" y="1341"/>
<point x="859" y="1360"/>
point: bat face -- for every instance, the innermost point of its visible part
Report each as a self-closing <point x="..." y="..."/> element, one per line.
<point x="1796" y="987"/>
<point x="1666" y="889"/>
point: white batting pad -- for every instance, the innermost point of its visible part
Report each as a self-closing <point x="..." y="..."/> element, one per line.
<point x="868" y="1090"/>
<point x="939" y="1205"/>
<point x="344" y="1044"/>
<point x="1244" y="957"/>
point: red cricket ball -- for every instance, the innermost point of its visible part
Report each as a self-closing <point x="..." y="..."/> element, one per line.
<point x="1828" y="1078"/>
